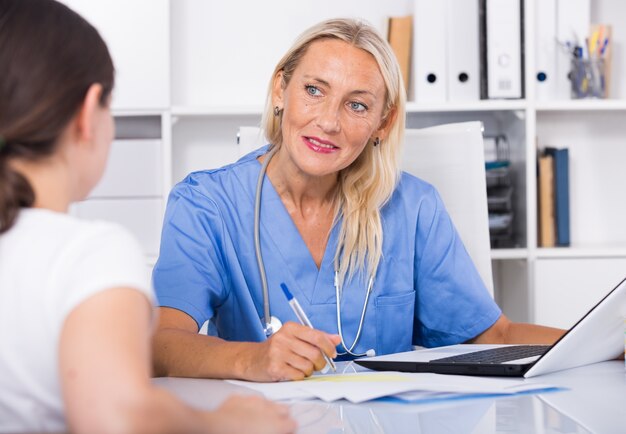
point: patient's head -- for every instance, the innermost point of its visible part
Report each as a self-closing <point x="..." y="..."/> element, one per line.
<point x="49" y="59"/>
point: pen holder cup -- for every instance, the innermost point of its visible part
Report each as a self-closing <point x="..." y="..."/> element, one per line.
<point x="588" y="77"/>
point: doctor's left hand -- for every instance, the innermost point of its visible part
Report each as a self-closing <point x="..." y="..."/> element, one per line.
<point x="292" y="353"/>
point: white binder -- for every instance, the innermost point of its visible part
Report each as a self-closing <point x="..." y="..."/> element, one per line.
<point x="429" y="51"/>
<point x="462" y="50"/>
<point x="504" y="49"/>
<point x="572" y="25"/>
<point x="546" y="50"/>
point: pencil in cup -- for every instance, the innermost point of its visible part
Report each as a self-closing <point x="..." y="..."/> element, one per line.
<point x="304" y="320"/>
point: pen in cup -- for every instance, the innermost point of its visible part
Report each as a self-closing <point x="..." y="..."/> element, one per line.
<point x="304" y="320"/>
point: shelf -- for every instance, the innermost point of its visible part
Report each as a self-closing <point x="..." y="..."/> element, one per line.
<point x="217" y="110"/>
<point x="580" y="252"/>
<point x="138" y="112"/>
<point x="582" y="105"/>
<point x="558" y="253"/>
<point x="513" y="253"/>
<point x="467" y="106"/>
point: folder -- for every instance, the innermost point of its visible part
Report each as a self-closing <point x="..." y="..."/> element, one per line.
<point x="573" y="19"/>
<point x="547" y="229"/>
<point x="399" y="36"/>
<point x="463" y="50"/>
<point x="561" y="194"/>
<point x="429" y="51"/>
<point x="546" y="47"/>
<point x="504" y="48"/>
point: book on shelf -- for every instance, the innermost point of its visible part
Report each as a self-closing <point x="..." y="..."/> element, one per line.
<point x="547" y="228"/>
<point x="561" y="194"/>
<point x="400" y="35"/>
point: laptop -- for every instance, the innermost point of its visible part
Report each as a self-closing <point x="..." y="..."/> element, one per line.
<point x="596" y="337"/>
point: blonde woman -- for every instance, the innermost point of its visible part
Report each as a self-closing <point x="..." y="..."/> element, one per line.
<point x="370" y="253"/>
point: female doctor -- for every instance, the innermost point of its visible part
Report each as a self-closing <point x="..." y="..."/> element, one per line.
<point x="369" y="252"/>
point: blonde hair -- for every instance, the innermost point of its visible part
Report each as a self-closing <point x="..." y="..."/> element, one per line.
<point x="368" y="183"/>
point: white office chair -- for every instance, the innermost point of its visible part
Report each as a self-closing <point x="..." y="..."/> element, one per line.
<point x="249" y="139"/>
<point x="451" y="157"/>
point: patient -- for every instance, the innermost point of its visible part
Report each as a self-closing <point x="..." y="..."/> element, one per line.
<point x="75" y="299"/>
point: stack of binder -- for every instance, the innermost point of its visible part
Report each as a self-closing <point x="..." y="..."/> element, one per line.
<point x="499" y="191"/>
<point x="465" y="50"/>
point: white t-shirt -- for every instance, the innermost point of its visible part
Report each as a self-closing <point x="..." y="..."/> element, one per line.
<point x="50" y="263"/>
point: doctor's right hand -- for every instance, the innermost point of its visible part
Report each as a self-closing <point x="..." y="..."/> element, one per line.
<point x="292" y="353"/>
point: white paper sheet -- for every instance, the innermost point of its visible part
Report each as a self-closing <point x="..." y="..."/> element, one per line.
<point x="365" y="386"/>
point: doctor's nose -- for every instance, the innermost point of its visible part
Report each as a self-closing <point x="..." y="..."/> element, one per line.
<point x="328" y="119"/>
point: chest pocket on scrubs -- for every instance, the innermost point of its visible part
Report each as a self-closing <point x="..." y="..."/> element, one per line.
<point x="394" y="322"/>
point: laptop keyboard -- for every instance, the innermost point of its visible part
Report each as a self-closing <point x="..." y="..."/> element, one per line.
<point x="497" y="355"/>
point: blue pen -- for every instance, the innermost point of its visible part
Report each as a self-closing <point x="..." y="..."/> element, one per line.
<point x="304" y="320"/>
<point x="604" y="44"/>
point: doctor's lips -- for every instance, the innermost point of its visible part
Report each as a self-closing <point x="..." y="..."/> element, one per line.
<point x="319" y="145"/>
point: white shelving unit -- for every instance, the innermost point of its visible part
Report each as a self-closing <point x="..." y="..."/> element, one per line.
<point x="219" y="59"/>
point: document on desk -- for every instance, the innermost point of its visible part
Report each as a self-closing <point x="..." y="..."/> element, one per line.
<point x="365" y="386"/>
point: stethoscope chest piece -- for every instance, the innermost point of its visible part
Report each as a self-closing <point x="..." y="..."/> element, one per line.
<point x="274" y="325"/>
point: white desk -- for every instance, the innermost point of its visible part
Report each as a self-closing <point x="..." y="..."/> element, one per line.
<point x="593" y="403"/>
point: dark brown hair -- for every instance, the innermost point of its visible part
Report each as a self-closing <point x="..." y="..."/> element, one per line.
<point x="49" y="57"/>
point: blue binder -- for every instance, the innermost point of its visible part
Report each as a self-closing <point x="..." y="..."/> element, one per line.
<point x="561" y="194"/>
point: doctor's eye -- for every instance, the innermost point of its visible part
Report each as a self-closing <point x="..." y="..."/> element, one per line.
<point x="312" y="90"/>
<point x="358" y="106"/>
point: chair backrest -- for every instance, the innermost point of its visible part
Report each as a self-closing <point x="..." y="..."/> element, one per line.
<point x="451" y="157"/>
<point x="249" y="139"/>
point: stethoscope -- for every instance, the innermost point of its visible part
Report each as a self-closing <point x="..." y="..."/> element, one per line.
<point x="271" y="324"/>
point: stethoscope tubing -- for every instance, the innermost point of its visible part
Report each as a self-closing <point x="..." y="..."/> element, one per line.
<point x="257" y="243"/>
<point x="267" y="318"/>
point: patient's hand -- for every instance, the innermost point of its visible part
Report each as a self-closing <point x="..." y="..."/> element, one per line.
<point x="251" y="414"/>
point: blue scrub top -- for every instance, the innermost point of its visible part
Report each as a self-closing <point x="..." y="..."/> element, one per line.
<point x="427" y="290"/>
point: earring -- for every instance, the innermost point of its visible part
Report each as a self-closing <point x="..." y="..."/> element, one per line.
<point x="377" y="141"/>
<point x="276" y="111"/>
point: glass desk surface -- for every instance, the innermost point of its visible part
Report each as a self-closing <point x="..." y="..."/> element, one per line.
<point x="591" y="403"/>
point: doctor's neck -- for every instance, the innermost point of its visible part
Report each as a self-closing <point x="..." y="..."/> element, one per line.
<point x="301" y="189"/>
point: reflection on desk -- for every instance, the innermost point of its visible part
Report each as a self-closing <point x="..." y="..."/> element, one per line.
<point x="591" y="404"/>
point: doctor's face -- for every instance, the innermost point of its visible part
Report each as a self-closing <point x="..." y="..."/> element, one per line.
<point x="333" y="107"/>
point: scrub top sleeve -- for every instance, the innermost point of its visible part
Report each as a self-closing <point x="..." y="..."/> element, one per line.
<point x="190" y="275"/>
<point x="452" y="304"/>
